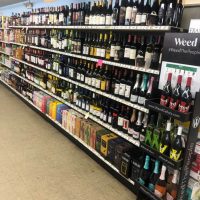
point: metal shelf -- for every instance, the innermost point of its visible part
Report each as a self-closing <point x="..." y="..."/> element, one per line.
<point x="99" y="27"/>
<point x="110" y="96"/>
<point x="121" y="65"/>
<point x="71" y="134"/>
<point x="4" y="53"/>
<point x="109" y="127"/>
<point x="9" y="67"/>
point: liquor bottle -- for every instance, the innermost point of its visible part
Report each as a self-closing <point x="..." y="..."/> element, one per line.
<point x="127" y="50"/>
<point x="148" y="54"/>
<point x="87" y="13"/>
<point x="126" y="118"/>
<point x="120" y="118"/>
<point x="161" y="184"/>
<point x="128" y="15"/>
<point x="162" y="12"/>
<point x="149" y="93"/>
<point x="115" y="113"/>
<point x="122" y="12"/>
<point x="133" y="50"/>
<point x="109" y="14"/>
<point x="178" y="13"/>
<point x="176" y="152"/>
<point x="154" y="176"/>
<point x="140" y="58"/>
<point x="144" y="127"/>
<point x="115" y="13"/>
<point x="135" y="90"/>
<point x="132" y="123"/>
<point x="176" y="94"/>
<point x="122" y="85"/>
<point x="128" y="85"/>
<point x="166" y="92"/>
<point x="134" y="12"/>
<point x="169" y="13"/>
<point x="149" y="131"/>
<point x="165" y="144"/>
<point x="146" y="12"/>
<point x="172" y="188"/>
<point x="117" y="84"/>
<point x="153" y="17"/>
<point x="143" y="90"/>
<point x="108" y="48"/>
<point x="145" y="172"/>
<point x="103" y="13"/>
<point x="138" y="126"/>
<point x="138" y="17"/>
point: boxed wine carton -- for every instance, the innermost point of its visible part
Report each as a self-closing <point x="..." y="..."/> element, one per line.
<point x="94" y="128"/>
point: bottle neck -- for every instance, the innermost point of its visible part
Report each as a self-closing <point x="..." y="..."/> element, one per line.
<point x="146" y="165"/>
<point x="175" y="177"/>
<point x="162" y="175"/>
<point x="156" y="168"/>
<point x="151" y="84"/>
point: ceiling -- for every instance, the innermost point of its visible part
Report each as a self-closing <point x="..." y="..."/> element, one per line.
<point x="9" y="2"/>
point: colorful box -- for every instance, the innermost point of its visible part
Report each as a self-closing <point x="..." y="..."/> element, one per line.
<point x="99" y="134"/>
<point x="93" y="130"/>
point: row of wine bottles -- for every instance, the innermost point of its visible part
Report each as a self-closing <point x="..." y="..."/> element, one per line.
<point x="176" y="98"/>
<point x="122" y="83"/>
<point x="102" y="12"/>
<point x="167" y="140"/>
<point x="130" y="49"/>
<point x="160" y="181"/>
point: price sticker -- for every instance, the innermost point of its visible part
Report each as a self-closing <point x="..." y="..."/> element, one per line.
<point x="100" y="62"/>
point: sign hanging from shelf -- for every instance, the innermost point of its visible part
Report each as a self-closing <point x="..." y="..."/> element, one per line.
<point x="181" y="55"/>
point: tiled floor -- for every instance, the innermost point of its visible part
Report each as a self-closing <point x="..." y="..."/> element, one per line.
<point x="39" y="163"/>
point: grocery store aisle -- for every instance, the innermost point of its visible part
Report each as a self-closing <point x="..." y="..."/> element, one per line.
<point x="39" y="163"/>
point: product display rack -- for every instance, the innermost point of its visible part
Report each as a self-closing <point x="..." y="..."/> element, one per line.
<point x="136" y="186"/>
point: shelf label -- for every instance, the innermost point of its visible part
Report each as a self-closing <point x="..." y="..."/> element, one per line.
<point x="100" y="62"/>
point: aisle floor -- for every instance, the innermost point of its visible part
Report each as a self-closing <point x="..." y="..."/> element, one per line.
<point x="38" y="163"/>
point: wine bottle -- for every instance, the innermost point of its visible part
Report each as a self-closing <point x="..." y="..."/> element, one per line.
<point x="145" y="172"/>
<point x="176" y="152"/>
<point x="140" y="58"/>
<point x="138" y="18"/>
<point x="115" y="14"/>
<point x="122" y="85"/>
<point x="144" y="127"/>
<point x="153" y="17"/>
<point x="161" y="184"/>
<point x="172" y="188"/>
<point x="165" y="144"/>
<point x="154" y="176"/>
<point x="146" y="12"/>
<point x="149" y="93"/>
<point x="128" y="85"/>
<point x="166" y="92"/>
<point x="122" y="12"/>
<point x="149" y="131"/>
<point x="162" y="12"/>
<point x="186" y="97"/>
<point x="143" y="90"/>
<point x="169" y="13"/>
<point x="132" y="123"/>
<point x="148" y="54"/>
<point x="127" y="50"/>
<point x="109" y="14"/>
<point x="135" y="90"/>
<point x="176" y="95"/>
<point x="138" y="126"/>
<point x="128" y="14"/>
<point x="127" y="114"/>
<point x="134" y="12"/>
<point x="178" y="13"/>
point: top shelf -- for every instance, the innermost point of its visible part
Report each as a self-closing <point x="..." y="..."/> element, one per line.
<point x="118" y="28"/>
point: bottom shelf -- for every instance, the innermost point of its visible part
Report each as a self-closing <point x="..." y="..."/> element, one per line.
<point x="94" y="154"/>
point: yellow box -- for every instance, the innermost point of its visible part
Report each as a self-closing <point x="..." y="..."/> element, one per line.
<point x="104" y="142"/>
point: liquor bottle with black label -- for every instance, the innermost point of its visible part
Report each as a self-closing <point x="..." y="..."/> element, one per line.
<point x="145" y="172"/>
<point x="176" y="152"/>
<point x="154" y="176"/>
<point x="162" y="12"/>
<point x="165" y="144"/>
<point x="186" y="98"/>
<point x="161" y="184"/>
<point x="166" y="92"/>
<point x="176" y="94"/>
<point x="135" y="90"/>
<point x="178" y="13"/>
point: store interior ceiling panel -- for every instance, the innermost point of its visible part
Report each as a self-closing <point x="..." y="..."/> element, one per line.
<point x="9" y="2"/>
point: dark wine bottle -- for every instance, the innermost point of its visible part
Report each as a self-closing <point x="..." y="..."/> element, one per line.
<point x="135" y="90"/>
<point x="122" y="12"/>
<point x="166" y="92"/>
<point x="162" y="12"/>
<point x="169" y="13"/>
<point x="178" y="14"/>
<point x="186" y="98"/>
<point x="176" y="94"/>
<point x="145" y="172"/>
<point x="115" y="14"/>
<point x="138" y="127"/>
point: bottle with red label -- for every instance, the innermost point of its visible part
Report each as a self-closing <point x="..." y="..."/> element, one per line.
<point x="167" y="90"/>
<point x="176" y="95"/>
<point x="186" y="98"/>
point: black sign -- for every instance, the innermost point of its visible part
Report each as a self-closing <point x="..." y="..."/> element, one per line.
<point x="182" y="45"/>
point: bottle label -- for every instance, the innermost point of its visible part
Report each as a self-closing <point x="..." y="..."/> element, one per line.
<point x="127" y="91"/>
<point x="122" y="14"/>
<point x="122" y="89"/>
<point x="138" y="18"/>
<point x="86" y="80"/>
<point x="112" y="51"/>
<point x="117" y="52"/>
<point x="109" y="119"/>
<point x="120" y="121"/>
<point x="134" y="98"/>
<point x="103" y="53"/>
<point x="108" y="20"/>
<point x="184" y="107"/>
<point x="136" y="135"/>
<point x="98" y="83"/>
<point x="128" y="15"/>
<point x="89" y="82"/>
<point x="101" y="116"/>
<point x="141" y="100"/>
<point x="144" y="18"/>
<point x="127" y="52"/>
<point x="93" y="82"/>
<point x="116" y="91"/>
<point x="132" y="54"/>
<point x="175" y="155"/>
<point x="164" y="100"/>
<point x="130" y="131"/>
<point x="96" y="19"/>
<point x="163" y="148"/>
<point x="104" y="117"/>
<point x="148" y="58"/>
<point x="108" y="54"/>
<point x="142" y="138"/>
<point x="169" y="197"/>
<point x="98" y="54"/>
<point x="133" y="16"/>
<point x="87" y="19"/>
<point x="87" y="107"/>
<point x="141" y="181"/>
<point x="78" y="76"/>
<point x="102" y="20"/>
<point x="114" y="16"/>
<point x="125" y="124"/>
<point x="103" y="85"/>
<point x="82" y="77"/>
<point x="61" y="17"/>
<point x="173" y="104"/>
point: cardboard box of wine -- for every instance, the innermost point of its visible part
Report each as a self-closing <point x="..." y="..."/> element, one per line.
<point x="94" y="128"/>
